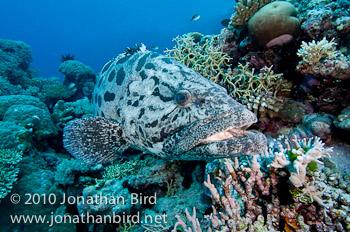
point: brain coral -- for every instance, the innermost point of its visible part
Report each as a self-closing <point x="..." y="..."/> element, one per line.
<point x="272" y="21"/>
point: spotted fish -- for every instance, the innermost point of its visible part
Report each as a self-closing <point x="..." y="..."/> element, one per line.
<point x="150" y="102"/>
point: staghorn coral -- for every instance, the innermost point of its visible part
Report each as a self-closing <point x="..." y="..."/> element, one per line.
<point x="204" y="57"/>
<point x="244" y="10"/>
<point x="322" y="59"/>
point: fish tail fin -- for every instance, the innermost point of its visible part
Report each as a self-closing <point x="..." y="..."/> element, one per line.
<point x="94" y="140"/>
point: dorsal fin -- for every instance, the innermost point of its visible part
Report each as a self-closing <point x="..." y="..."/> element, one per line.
<point x="94" y="140"/>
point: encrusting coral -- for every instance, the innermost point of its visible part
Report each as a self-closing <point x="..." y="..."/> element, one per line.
<point x="321" y="58"/>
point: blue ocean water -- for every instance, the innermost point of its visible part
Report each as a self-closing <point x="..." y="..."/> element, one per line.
<point x="95" y="31"/>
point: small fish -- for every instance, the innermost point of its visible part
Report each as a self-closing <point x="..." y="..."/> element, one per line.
<point x="225" y="22"/>
<point x="155" y="47"/>
<point x="195" y="17"/>
<point x="148" y="101"/>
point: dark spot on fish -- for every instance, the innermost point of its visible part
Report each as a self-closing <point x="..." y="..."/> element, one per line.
<point x="142" y="62"/>
<point x="102" y="114"/>
<point x="106" y="66"/>
<point x="118" y="112"/>
<point x="152" y="124"/>
<point x="142" y="112"/>
<point x="151" y="108"/>
<point x="154" y="55"/>
<point x="135" y="104"/>
<point x="150" y="66"/>
<point x="109" y="96"/>
<point x="95" y="97"/>
<point x="141" y="97"/>
<point x="183" y="73"/>
<point x="163" y="98"/>
<point x="155" y="139"/>
<point x="141" y="132"/>
<point x="164" y="117"/>
<point x="165" y="70"/>
<point x="143" y="75"/>
<point x="174" y="118"/>
<point x="123" y="60"/>
<point x="149" y="144"/>
<point x="167" y="60"/>
<point x="111" y="75"/>
<point x="132" y="122"/>
<point x="120" y="76"/>
<point x="99" y="101"/>
<point x="129" y="102"/>
<point x="163" y="135"/>
<point x="170" y="87"/>
<point x="100" y="82"/>
<point x="156" y="80"/>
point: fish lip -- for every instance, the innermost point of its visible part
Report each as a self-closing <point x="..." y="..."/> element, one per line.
<point x="241" y="127"/>
<point x="253" y="143"/>
<point x="190" y="139"/>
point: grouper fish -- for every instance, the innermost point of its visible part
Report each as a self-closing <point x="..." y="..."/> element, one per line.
<point x="148" y="101"/>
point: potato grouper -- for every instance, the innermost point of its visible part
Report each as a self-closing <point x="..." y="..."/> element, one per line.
<point x="148" y="101"/>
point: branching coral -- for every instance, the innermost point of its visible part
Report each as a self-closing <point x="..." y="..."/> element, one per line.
<point x="245" y="9"/>
<point x="258" y="91"/>
<point x="253" y="197"/>
<point x="322" y="59"/>
<point x="204" y="57"/>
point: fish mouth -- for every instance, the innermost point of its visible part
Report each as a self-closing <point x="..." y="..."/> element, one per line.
<point x="224" y="136"/>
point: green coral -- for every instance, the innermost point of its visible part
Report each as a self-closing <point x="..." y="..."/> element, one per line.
<point x="9" y="159"/>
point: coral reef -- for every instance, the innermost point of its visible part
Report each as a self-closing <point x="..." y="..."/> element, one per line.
<point x="297" y="184"/>
<point x="322" y="59"/>
<point x="275" y="20"/>
<point x="9" y="170"/>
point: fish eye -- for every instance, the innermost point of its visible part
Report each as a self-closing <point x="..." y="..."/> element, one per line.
<point x="183" y="97"/>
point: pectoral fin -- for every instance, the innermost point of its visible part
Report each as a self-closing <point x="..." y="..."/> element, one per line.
<point x="94" y="140"/>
